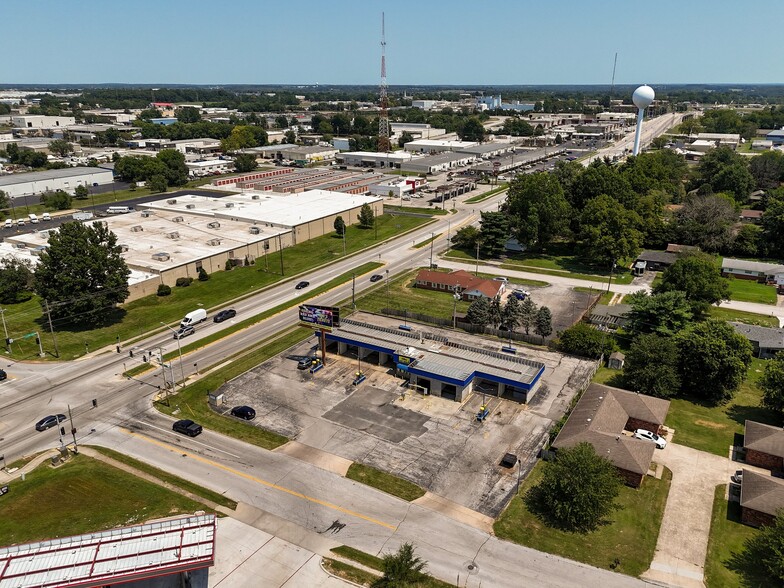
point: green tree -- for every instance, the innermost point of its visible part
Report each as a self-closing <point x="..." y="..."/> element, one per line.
<point x="528" y="312"/>
<point x="767" y="169"/>
<point x="60" y="147"/>
<point x="188" y="114"/>
<point x="772" y="384"/>
<point x="466" y="238"/>
<point x="699" y="278"/>
<point x="282" y="122"/>
<point x="203" y="275"/>
<point x="577" y="491"/>
<point x="405" y="137"/>
<point x="494" y="233"/>
<point x="707" y="221"/>
<point x="241" y="137"/>
<point x="665" y="313"/>
<point x="291" y="137"/>
<point x="597" y="179"/>
<point x="544" y="322"/>
<point x="747" y="241"/>
<point x="81" y="192"/>
<point x="762" y="559"/>
<point x="773" y="225"/>
<point x="401" y="569"/>
<point x="538" y="209"/>
<point x="609" y="231"/>
<point x="82" y="273"/>
<point x="5" y="203"/>
<point x="366" y="217"/>
<point x="16" y="279"/>
<point x="175" y="170"/>
<point x="713" y="360"/>
<point x="472" y="130"/>
<point x="512" y="313"/>
<point x="245" y="162"/>
<point x="57" y="200"/>
<point x="724" y="170"/>
<point x="340" y="225"/>
<point x="157" y="184"/>
<point x="651" y="366"/>
<point x="479" y="312"/>
<point x="496" y="311"/>
<point x="583" y="340"/>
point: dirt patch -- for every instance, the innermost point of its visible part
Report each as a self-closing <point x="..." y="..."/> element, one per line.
<point x="709" y="424"/>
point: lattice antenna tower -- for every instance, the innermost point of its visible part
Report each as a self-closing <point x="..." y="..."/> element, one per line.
<point x="383" y="117"/>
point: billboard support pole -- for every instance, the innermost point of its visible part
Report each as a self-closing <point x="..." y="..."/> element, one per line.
<point x="323" y="340"/>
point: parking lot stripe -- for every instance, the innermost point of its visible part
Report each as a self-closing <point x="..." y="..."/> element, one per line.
<point x="262" y="481"/>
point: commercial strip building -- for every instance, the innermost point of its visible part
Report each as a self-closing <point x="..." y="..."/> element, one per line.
<point x="435" y="365"/>
<point x="373" y="159"/>
<point x="36" y="183"/>
<point x="293" y="180"/>
<point x="435" y="146"/>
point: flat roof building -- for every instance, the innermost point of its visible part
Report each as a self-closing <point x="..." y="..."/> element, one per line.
<point x="35" y="183"/>
<point x="436" y="146"/>
<point x="373" y="159"/>
<point x="433" y="164"/>
<point x="309" y="154"/>
<point x="40" y="121"/>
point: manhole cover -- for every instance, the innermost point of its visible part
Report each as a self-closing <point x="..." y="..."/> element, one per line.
<point x="471" y="567"/>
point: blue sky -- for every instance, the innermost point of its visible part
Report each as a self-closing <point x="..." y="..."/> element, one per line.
<point x="428" y="41"/>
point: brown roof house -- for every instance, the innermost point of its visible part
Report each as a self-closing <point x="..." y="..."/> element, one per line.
<point x="764" y="446"/>
<point x="761" y="497"/>
<point x="600" y="418"/>
<point x="470" y="286"/>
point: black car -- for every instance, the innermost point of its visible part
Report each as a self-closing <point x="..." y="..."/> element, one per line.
<point x="225" y="315"/>
<point x="305" y="363"/>
<point x="49" y="421"/>
<point x="3" y="375"/>
<point x="184" y="332"/>
<point x="187" y="427"/>
<point x="243" y="412"/>
<point x="302" y="284"/>
<point x="376" y="277"/>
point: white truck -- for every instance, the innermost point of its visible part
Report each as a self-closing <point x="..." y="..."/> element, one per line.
<point x="82" y="215"/>
<point x="195" y="316"/>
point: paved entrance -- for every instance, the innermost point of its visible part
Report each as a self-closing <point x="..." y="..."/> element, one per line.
<point x="683" y="538"/>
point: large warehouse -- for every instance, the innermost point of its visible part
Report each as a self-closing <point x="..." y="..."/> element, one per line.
<point x="35" y="183"/>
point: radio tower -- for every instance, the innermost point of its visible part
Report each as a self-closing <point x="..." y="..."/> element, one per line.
<point x="383" y="117"/>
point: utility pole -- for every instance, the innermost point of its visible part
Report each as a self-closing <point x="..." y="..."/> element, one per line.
<point x="432" y="240"/>
<point x="387" y="288"/>
<point x="51" y="328"/>
<point x="344" y="241"/>
<point x="179" y="351"/>
<point x="73" y="430"/>
<point x="477" y="258"/>
<point x="353" y="290"/>
<point x="5" y="330"/>
<point x="280" y="248"/>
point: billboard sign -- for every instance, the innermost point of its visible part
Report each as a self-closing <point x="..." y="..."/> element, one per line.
<point x="320" y="317"/>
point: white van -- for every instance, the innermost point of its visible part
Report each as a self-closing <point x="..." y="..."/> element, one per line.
<point x="9" y="223"/>
<point x="20" y="222"/>
<point x="33" y="218"/>
<point x="193" y="317"/>
<point x="118" y="209"/>
<point x="46" y="217"/>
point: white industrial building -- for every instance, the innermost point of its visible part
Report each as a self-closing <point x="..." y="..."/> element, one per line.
<point x="433" y="164"/>
<point x="309" y="154"/>
<point x="34" y="183"/>
<point x="39" y="121"/>
<point x="404" y="188"/>
<point x="434" y="146"/>
<point x="416" y="130"/>
<point x="373" y="159"/>
<point x="199" y="169"/>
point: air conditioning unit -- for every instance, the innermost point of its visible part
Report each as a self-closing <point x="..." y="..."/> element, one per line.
<point x="177" y="219"/>
<point x="255" y="197"/>
<point x="190" y="206"/>
<point x="137" y="229"/>
<point x="161" y="256"/>
<point x="214" y="225"/>
<point x="214" y="242"/>
<point x="229" y="205"/>
<point x="20" y="246"/>
<point x="254" y="230"/>
<point x="171" y="201"/>
<point x="173" y="235"/>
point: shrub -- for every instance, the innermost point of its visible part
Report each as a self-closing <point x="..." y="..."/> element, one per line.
<point x="164" y="290"/>
<point x="183" y="282"/>
<point x="203" y="275"/>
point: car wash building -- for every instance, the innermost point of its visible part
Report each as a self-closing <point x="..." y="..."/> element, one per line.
<point x="432" y="364"/>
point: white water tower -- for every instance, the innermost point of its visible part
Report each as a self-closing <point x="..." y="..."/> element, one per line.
<point x="642" y="98"/>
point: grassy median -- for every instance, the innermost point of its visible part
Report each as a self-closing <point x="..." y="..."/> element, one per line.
<point x="384" y="482"/>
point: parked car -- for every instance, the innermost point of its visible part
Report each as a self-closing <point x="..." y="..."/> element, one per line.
<point x="243" y="412"/>
<point x="501" y="279"/>
<point x="49" y="421"/>
<point x="301" y="285"/>
<point x="184" y="332"/>
<point x="646" y="435"/>
<point x="376" y="277"/>
<point x="3" y="375"/>
<point x="305" y="363"/>
<point x="224" y="315"/>
<point x="737" y="477"/>
<point x="521" y="294"/>
<point x="187" y="427"/>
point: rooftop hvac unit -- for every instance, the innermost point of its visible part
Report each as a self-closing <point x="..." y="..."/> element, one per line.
<point x="255" y="197"/>
<point x="137" y="229"/>
<point x="190" y="206"/>
<point x="161" y="256"/>
<point x="123" y="248"/>
<point x="147" y="213"/>
<point x="229" y="205"/>
<point x="171" y="201"/>
<point x="173" y="235"/>
<point x="20" y="246"/>
<point x="177" y="219"/>
<point x="44" y="234"/>
<point x="254" y="230"/>
<point x="214" y="242"/>
<point x="214" y="225"/>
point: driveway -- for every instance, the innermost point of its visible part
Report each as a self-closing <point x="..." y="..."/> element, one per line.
<point x="683" y="538"/>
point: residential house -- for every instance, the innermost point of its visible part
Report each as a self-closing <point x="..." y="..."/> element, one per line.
<point x="600" y="418"/>
<point x="678" y="248"/>
<point x="751" y="216"/>
<point x="770" y="273"/>
<point x="469" y="286"/>
<point x="761" y="497"/>
<point x="767" y="341"/>
<point x="611" y="317"/>
<point x="764" y="446"/>
<point x="657" y="260"/>
<point x="776" y="137"/>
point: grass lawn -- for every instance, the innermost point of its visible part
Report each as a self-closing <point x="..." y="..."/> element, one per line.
<point x="192" y="401"/>
<point x="713" y="428"/>
<point x="603" y="299"/>
<point x="63" y="501"/>
<point x="384" y="482"/>
<point x="751" y="291"/>
<point x="136" y="318"/>
<point x="630" y="536"/>
<point x="210" y="495"/>
<point x="376" y="563"/>
<point x="750" y="318"/>
<point x="349" y="572"/>
<point x="488" y="194"/>
<point x="727" y="535"/>
<point x="415" y="209"/>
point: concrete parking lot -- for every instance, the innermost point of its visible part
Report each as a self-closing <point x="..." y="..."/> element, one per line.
<point x="433" y="442"/>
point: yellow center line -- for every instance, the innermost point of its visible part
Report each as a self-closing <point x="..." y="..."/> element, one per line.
<point x="261" y="481"/>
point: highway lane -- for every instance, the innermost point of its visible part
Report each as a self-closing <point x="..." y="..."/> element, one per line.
<point x="651" y="128"/>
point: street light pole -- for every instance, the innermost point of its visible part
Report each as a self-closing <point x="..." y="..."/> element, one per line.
<point x="353" y="290"/>
<point x="179" y="351"/>
<point x="387" y="288"/>
<point x="432" y="240"/>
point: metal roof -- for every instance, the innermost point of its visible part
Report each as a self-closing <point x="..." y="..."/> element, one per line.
<point x="50" y="174"/>
<point x="114" y="556"/>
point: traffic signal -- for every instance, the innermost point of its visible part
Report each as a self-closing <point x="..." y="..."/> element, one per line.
<point x="130" y="353"/>
<point x="8" y="341"/>
<point x="37" y="340"/>
<point x="144" y="357"/>
<point x="62" y="430"/>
